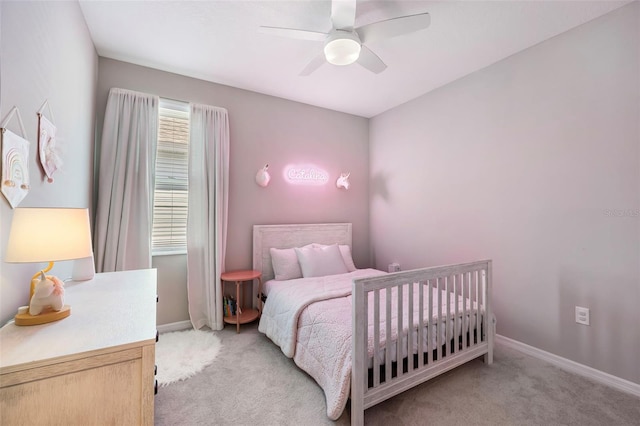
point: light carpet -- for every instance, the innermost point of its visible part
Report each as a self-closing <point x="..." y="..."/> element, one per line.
<point x="182" y="354"/>
<point x="252" y="383"/>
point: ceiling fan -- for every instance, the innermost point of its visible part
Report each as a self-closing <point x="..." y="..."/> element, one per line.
<point x="344" y="44"/>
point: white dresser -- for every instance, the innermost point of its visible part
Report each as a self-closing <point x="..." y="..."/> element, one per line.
<point x="94" y="367"/>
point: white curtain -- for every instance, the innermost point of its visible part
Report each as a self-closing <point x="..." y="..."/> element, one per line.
<point x="126" y="182"/>
<point x="207" y="217"/>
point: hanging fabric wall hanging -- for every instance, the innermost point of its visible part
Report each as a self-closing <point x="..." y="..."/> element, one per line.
<point x="47" y="148"/>
<point x="15" y="161"/>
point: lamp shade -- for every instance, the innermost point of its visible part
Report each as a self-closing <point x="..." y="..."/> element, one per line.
<point x="48" y="235"/>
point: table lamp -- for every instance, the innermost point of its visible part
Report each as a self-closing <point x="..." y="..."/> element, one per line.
<point x="47" y="235"/>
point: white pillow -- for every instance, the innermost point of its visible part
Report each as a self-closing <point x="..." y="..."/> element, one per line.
<point x="285" y="264"/>
<point x="345" y="251"/>
<point x="321" y="261"/>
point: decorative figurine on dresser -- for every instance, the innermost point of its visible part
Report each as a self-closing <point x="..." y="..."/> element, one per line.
<point x="48" y="293"/>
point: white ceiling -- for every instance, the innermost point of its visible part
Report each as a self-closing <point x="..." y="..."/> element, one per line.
<point x="219" y="41"/>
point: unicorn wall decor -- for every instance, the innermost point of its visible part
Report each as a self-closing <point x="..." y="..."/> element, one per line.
<point x="343" y="181"/>
<point x="263" y="177"/>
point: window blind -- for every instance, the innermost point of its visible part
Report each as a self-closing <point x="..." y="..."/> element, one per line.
<point x="171" y="188"/>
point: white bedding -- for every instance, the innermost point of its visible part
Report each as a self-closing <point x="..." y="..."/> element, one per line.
<point x="285" y="302"/>
<point x="310" y="319"/>
<point x="269" y="284"/>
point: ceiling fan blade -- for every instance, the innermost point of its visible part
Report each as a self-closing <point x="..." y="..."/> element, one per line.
<point x="371" y="61"/>
<point x="293" y="33"/>
<point x="313" y="65"/>
<point x="393" y="27"/>
<point x="343" y="14"/>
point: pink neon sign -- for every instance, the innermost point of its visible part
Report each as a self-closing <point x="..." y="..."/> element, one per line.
<point x="305" y="175"/>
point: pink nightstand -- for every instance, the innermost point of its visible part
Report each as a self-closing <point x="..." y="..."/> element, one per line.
<point x="246" y="314"/>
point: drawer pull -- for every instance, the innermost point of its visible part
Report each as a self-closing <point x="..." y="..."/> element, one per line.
<point x="157" y="336"/>
<point x="155" y="388"/>
<point x="155" y="370"/>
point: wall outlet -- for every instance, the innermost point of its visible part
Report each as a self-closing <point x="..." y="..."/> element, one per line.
<point x="394" y="267"/>
<point x="582" y="315"/>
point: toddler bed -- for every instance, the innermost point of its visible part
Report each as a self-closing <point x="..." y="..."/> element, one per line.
<point x="435" y="318"/>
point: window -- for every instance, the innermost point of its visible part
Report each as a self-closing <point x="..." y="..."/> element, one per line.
<point x="171" y="189"/>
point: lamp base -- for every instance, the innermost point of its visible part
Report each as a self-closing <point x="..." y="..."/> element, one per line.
<point x="46" y="316"/>
<point x="83" y="269"/>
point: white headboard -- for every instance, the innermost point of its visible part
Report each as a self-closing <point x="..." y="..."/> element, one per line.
<point x="289" y="236"/>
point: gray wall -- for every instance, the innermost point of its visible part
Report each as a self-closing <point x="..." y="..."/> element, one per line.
<point x="46" y="53"/>
<point x="533" y="162"/>
<point x="263" y="129"/>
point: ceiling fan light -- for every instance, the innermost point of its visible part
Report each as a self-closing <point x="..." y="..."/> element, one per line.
<point x="342" y="51"/>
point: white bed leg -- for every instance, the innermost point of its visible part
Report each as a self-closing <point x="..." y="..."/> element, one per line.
<point x="357" y="415"/>
<point x="488" y="357"/>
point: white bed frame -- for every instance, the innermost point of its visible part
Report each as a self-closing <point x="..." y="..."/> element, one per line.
<point x="469" y="280"/>
<point x="289" y="236"/>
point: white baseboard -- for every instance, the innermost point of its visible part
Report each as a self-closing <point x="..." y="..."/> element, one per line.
<point x="174" y="326"/>
<point x="572" y="366"/>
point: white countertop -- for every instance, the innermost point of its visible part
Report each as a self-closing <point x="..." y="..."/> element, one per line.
<point x="112" y="309"/>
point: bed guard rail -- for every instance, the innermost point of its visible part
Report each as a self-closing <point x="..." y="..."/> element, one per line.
<point x="451" y="323"/>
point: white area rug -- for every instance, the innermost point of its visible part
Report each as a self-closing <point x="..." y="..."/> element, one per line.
<point x="182" y="354"/>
